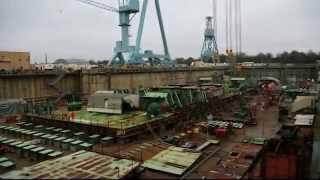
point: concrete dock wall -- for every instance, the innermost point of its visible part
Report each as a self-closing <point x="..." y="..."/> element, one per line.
<point x="37" y="85"/>
<point x="92" y="82"/>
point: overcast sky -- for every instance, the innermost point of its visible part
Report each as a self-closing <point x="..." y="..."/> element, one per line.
<point x="70" y="29"/>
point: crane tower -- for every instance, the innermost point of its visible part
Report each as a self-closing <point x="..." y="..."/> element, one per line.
<point x="123" y="52"/>
<point x="209" y="51"/>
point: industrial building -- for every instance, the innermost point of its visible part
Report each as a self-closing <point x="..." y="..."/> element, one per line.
<point x="14" y="60"/>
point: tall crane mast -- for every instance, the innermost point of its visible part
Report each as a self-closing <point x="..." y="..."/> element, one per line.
<point x="210" y="50"/>
<point x="123" y="52"/>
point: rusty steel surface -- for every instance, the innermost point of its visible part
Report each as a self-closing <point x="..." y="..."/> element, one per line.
<point x="280" y="166"/>
<point x="173" y="160"/>
<point x="79" y="165"/>
<point x="232" y="164"/>
<point x="144" y="151"/>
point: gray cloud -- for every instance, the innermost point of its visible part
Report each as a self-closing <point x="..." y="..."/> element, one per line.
<point x="67" y="28"/>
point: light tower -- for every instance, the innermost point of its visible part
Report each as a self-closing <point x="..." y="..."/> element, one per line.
<point x="209" y="51"/>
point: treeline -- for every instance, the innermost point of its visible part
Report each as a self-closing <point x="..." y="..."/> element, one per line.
<point x="294" y="57"/>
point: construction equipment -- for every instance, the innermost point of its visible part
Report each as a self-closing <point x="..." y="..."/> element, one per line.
<point x="153" y="110"/>
<point x="44" y="108"/>
<point x="123" y="52"/>
<point x="210" y="52"/>
<point x="176" y="96"/>
<point x="73" y="104"/>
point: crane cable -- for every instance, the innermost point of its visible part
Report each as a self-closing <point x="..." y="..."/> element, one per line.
<point x="236" y="19"/>
<point x="215" y="26"/>
<point x="240" y="27"/>
<point x="233" y="26"/>
<point x="227" y="25"/>
<point x="230" y="25"/>
<point x="216" y="56"/>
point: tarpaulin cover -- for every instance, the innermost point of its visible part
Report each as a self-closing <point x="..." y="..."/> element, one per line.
<point x="12" y="107"/>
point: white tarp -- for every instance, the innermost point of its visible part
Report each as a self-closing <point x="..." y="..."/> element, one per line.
<point x="304" y="119"/>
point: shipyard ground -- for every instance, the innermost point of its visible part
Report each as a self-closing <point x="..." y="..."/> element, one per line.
<point x="209" y="165"/>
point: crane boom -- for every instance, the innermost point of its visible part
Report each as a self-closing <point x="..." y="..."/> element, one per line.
<point x="99" y="5"/>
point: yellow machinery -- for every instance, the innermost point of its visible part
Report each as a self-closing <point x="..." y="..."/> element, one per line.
<point x="236" y="68"/>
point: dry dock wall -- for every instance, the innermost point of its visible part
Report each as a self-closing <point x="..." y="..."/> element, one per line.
<point x="92" y="82"/>
<point x="36" y="85"/>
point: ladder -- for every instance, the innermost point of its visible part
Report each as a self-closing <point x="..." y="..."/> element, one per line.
<point x="59" y="77"/>
<point x="61" y="94"/>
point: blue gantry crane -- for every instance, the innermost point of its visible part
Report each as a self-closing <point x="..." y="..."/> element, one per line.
<point x="123" y="52"/>
<point x="209" y="50"/>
